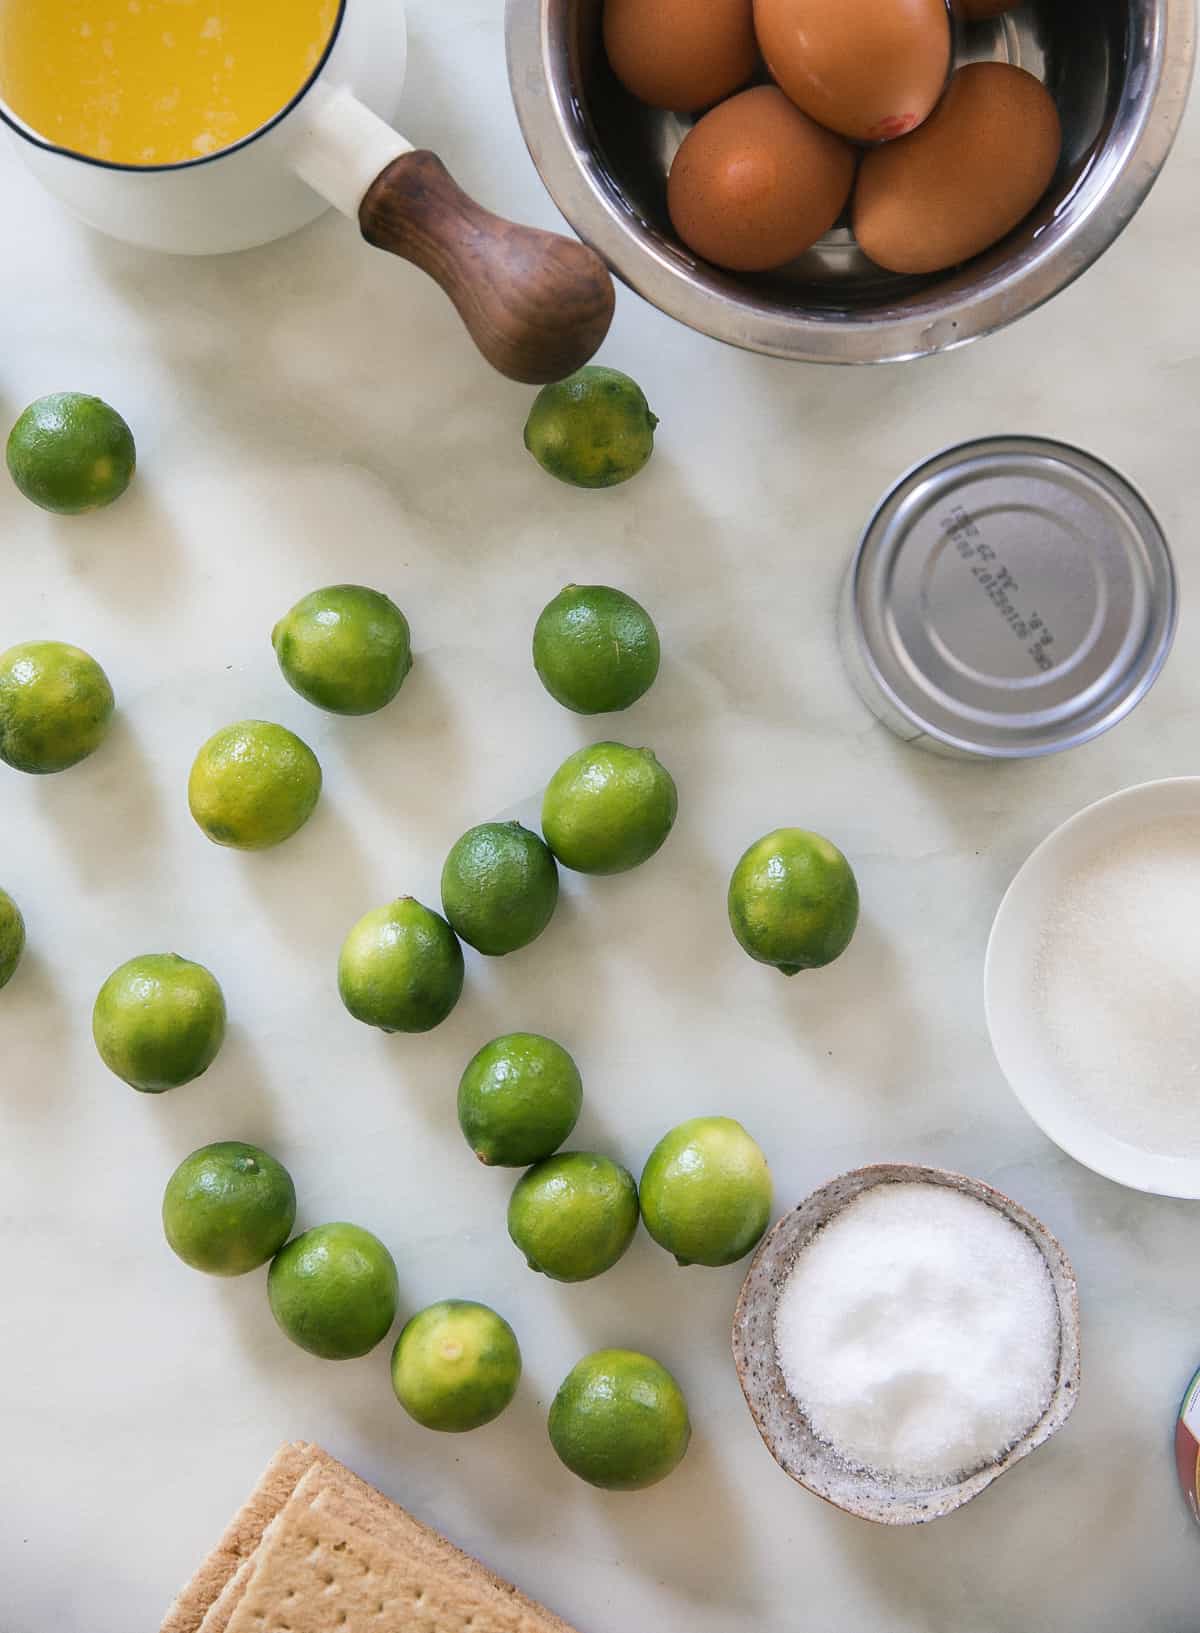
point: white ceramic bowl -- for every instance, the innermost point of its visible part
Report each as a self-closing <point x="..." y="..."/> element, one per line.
<point x="1021" y="1043"/>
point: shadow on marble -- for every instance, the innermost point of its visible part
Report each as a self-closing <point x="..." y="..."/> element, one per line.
<point x="706" y="1558"/>
<point x="106" y="812"/>
<point x="34" y="1009"/>
<point x="387" y="753"/>
<point x="127" y="554"/>
<point x="865" y="1056"/>
<point x="233" y="1100"/>
<point x="293" y="881"/>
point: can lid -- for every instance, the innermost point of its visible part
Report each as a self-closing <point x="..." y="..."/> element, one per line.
<point x="1013" y="596"/>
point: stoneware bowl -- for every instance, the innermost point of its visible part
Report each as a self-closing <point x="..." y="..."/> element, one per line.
<point x="1118" y="69"/>
<point x="780" y="1419"/>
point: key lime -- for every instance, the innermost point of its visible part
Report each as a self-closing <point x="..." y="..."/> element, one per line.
<point x="346" y="649"/>
<point x="334" y="1291"/>
<point x="573" y="1215"/>
<point x="228" y="1208"/>
<point x="593" y="429"/>
<point x="595" y="649"/>
<point x="793" y="901"/>
<point x="12" y="937"/>
<point x="401" y="968"/>
<point x="519" y="1099"/>
<point x="620" y="1421"/>
<point x="499" y="887"/>
<point x="608" y="808"/>
<point x="253" y="785"/>
<point x="70" y="453"/>
<point x="159" y="1021"/>
<point x="456" y="1366"/>
<point x="55" y="706"/>
<point x="706" y="1192"/>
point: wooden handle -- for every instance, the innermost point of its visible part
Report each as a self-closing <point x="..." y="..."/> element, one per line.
<point x="536" y="304"/>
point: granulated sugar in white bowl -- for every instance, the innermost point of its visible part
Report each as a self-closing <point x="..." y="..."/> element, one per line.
<point x="919" y="1332"/>
<point x="1092" y="986"/>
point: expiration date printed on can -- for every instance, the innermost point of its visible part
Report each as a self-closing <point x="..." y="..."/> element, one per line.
<point x="997" y="584"/>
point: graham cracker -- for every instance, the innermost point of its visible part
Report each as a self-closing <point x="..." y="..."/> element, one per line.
<point x="341" y="1558"/>
<point x="241" y="1537"/>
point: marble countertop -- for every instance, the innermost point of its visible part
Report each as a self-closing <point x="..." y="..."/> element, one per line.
<point x="311" y="412"/>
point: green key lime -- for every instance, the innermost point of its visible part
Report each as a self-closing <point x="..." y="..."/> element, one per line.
<point x="706" y="1192"/>
<point x="346" y="649"/>
<point x="159" y="1022"/>
<point x="573" y="1215"/>
<point x="595" y="649"/>
<point x="71" y="453"/>
<point x="793" y="901"/>
<point x="620" y="1421"/>
<point x="593" y="429"/>
<point x="608" y="808"/>
<point x="519" y="1099"/>
<point x="456" y="1366"/>
<point x="12" y="937"/>
<point x="334" y="1291"/>
<point x="401" y="968"/>
<point x="499" y="887"/>
<point x="55" y="706"/>
<point x="228" y="1208"/>
<point x="253" y="785"/>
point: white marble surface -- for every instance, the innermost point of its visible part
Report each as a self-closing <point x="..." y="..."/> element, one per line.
<point x="309" y="413"/>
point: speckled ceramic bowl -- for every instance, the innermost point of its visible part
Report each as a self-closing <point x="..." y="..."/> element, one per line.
<point x="780" y="1419"/>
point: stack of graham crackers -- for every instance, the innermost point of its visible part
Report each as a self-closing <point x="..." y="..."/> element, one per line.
<point x="316" y="1550"/>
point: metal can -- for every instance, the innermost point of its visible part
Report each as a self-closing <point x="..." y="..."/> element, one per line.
<point x="1187" y="1445"/>
<point x="1010" y="597"/>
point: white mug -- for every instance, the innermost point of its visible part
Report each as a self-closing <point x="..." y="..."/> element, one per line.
<point x="537" y="304"/>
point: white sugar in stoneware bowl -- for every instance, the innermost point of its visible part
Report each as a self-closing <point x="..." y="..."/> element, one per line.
<point x="781" y="1419"/>
<point x="1058" y="1077"/>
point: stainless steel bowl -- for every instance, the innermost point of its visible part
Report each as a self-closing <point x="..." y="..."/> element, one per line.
<point x="1119" y="71"/>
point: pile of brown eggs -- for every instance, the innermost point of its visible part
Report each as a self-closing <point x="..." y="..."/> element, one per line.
<point x="863" y="111"/>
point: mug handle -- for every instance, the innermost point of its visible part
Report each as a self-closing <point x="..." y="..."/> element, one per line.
<point x="537" y="304"/>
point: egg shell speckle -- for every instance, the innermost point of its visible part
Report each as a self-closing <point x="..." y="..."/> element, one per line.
<point x="972" y="172"/>
<point x="869" y="69"/>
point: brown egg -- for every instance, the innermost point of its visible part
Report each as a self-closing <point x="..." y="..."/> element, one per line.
<point x="976" y="167"/>
<point x="756" y="182"/>
<point x="681" y="54"/>
<point x="871" y="69"/>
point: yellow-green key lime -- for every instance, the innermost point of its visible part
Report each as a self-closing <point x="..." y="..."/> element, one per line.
<point x="793" y="901"/>
<point x="595" y="649"/>
<point x="608" y="808"/>
<point x="159" y="1021"/>
<point x="456" y="1366"/>
<point x="55" y="706"/>
<point x="519" y="1099"/>
<point x="706" y="1192"/>
<point x="573" y="1215"/>
<point x="620" y="1421"/>
<point x="401" y="968"/>
<point x="70" y="453"/>
<point x="334" y="1291"/>
<point x="345" y="648"/>
<point x="228" y="1208"/>
<point x="253" y="785"/>
<point x="12" y="937"/>
<point x="593" y="429"/>
<point x="499" y="887"/>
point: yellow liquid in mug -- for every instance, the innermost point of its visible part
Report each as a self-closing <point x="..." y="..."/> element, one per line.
<point x="145" y="82"/>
